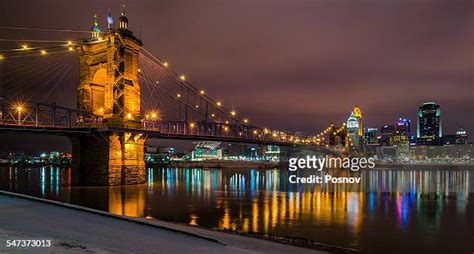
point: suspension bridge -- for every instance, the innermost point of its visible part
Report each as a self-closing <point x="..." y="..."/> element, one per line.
<point x="124" y="95"/>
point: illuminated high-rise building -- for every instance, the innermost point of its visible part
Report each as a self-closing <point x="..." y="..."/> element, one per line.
<point x="370" y="136"/>
<point x="403" y="126"/>
<point x="429" y="128"/>
<point x="358" y="116"/>
<point x="353" y="131"/>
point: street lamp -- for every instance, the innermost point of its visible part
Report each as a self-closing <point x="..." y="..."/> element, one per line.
<point x="19" y="109"/>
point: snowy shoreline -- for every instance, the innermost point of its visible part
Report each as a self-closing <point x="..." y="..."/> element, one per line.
<point x="80" y="229"/>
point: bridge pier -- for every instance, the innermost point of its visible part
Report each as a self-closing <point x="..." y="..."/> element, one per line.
<point x="104" y="159"/>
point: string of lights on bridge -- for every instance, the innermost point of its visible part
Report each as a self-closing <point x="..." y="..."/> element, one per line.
<point x="28" y="48"/>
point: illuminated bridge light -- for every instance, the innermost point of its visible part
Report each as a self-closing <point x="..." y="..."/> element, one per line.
<point x="201" y="92"/>
<point x="69" y="43"/>
<point x="2" y="57"/>
<point x="219" y="103"/>
<point x="43" y="52"/>
<point x="70" y="48"/>
<point x="226" y="122"/>
<point x="255" y="132"/>
<point x="178" y="95"/>
<point x="165" y="64"/>
<point x="192" y="125"/>
<point x="129" y="116"/>
<point x="24" y="47"/>
<point x="182" y="77"/>
<point x="246" y="120"/>
<point x="197" y="106"/>
<point x="233" y="113"/>
<point x="139" y="70"/>
<point x="213" y="115"/>
<point x="226" y="128"/>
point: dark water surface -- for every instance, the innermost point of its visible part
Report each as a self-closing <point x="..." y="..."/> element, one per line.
<point x="406" y="210"/>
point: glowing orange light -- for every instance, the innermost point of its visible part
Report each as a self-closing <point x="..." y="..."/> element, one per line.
<point x="165" y="64"/>
<point x="129" y="115"/>
<point x="182" y="77"/>
<point x="192" y="125"/>
<point x="219" y="104"/>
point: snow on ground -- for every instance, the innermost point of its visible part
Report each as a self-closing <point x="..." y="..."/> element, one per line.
<point x="73" y="231"/>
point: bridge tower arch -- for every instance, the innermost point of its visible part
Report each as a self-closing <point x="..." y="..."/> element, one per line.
<point x="109" y="87"/>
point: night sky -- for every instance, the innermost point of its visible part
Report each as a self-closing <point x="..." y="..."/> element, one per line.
<point x="296" y="64"/>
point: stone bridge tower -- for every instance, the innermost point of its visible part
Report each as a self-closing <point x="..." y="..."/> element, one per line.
<point x="109" y="87"/>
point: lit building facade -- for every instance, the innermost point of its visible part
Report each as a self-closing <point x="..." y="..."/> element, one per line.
<point x="370" y="136"/>
<point x="353" y="130"/>
<point x="207" y="150"/>
<point x="429" y="129"/>
<point x="403" y="126"/>
<point x="386" y="133"/>
<point x="461" y="136"/>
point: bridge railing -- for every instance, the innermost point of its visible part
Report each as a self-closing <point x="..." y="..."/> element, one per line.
<point x="41" y="115"/>
<point x="212" y="129"/>
<point x="44" y="115"/>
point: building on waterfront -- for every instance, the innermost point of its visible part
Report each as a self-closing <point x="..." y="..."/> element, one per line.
<point x="207" y="150"/>
<point x="235" y="150"/>
<point x="354" y="128"/>
<point x="402" y="126"/>
<point x="159" y="154"/>
<point x="358" y="115"/>
<point x="456" y="139"/>
<point x="386" y="133"/>
<point x="461" y="136"/>
<point x="370" y="136"/>
<point x="272" y="153"/>
<point x="429" y="127"/>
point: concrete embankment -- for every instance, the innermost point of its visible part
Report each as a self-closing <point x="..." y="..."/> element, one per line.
<point x="76" y="229"/>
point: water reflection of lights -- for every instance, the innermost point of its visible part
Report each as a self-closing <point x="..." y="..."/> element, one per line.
<point x="263" y="201"/>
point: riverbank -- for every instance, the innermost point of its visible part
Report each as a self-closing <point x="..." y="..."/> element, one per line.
<point x="74" y="229"/>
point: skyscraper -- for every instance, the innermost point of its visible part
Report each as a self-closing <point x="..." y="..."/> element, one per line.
<point x="403" y="126"/>
<point x="429" y="128"/>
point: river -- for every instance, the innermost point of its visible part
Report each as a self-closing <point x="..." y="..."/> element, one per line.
<point x="394" y="210"/>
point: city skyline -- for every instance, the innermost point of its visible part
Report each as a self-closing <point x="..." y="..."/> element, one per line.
<point x="306" y="94"/>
